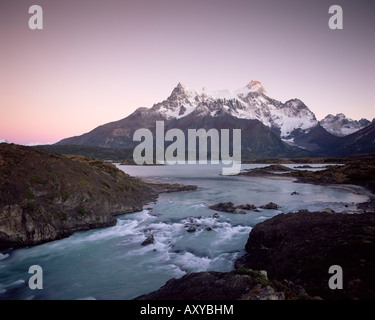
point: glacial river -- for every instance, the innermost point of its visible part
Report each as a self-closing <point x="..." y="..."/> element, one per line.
<point x="111" y="263"/>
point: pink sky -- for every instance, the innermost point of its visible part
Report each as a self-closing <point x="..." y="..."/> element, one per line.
<point x="97" y="61"/>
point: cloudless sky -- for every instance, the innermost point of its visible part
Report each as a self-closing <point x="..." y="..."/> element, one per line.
<point x="97" y="61"/>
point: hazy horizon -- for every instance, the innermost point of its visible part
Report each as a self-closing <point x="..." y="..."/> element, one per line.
<point x="98" y="61"/>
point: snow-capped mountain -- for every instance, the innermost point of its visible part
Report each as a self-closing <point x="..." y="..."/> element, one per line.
<point x="269" y="128"/>
<point x="262" y="120"/>
<point x="249" y="102"/>
<point x="340" y="125"/>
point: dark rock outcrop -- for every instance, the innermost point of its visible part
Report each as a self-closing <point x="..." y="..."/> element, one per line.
<point x="301" y="247"/>
<point x="191" y="229"/>
<point x="149" y="240"/>
<point x="271" y="170"/>
<point x="46" y="196"/>
<point x="270" y="206"/>
<point x="230" y="207"/>
<point x="224" y="207"/>
<point x="247" y="206"/>
<point x="240" y="285"/>
<point x="277" y="168"/>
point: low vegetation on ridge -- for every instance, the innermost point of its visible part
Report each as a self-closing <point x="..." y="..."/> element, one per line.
<point x="46" y="196"/>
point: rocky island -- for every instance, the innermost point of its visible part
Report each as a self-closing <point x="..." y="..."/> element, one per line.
<point x="45" y="196"/>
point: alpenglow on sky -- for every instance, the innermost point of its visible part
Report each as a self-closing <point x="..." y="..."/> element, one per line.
<point x="97" y="61"/>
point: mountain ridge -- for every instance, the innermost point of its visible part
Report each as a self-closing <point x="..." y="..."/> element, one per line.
<point x="284" y="129"/>
<point x="249" y="102"/>
<point x="340" y="125"/>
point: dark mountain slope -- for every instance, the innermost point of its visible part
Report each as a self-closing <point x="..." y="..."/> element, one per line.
<point x="362" y="141"/>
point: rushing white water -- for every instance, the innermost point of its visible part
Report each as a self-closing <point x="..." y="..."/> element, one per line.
<point x="111" y="263"/>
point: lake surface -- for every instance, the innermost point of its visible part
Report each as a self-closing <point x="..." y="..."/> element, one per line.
<point x="111" y="263"/>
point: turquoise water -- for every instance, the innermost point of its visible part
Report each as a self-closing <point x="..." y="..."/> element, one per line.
<point x="111" y="263"/>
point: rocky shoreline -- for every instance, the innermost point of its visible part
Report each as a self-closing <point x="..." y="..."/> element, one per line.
<point x="359" y="170"/>
<point x="45" y="196"/>
<point x="288" y="256"/>
<point x="301" y="247"/>
<point x="241" y="284"/>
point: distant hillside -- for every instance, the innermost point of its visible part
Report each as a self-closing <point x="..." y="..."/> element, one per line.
<point x="323" y="143"/>
<point x="88" y="151"/>
<point x="362" y="141"/>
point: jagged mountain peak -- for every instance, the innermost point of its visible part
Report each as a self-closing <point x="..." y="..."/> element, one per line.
<point x="340" y="125"/>
<point x="249" y="102"/>
<point x="182" y="89"/>
<point x="338" y="116"/>
<point x="256" y="86"/>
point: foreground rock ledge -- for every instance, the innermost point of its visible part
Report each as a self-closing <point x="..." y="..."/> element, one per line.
<point x="46" y="196"/>
<point x="301" y="247"/>
<point x="296" y="251"/>
<point x="237" y="285"/>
